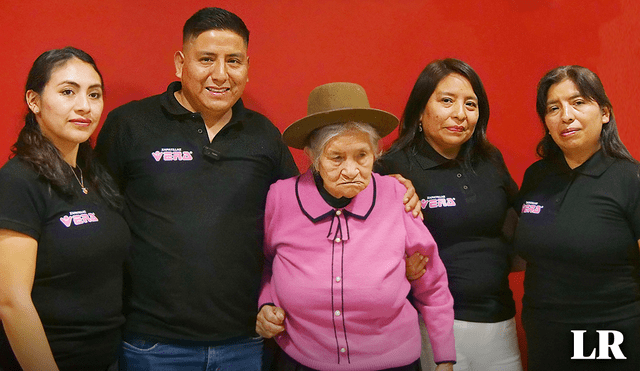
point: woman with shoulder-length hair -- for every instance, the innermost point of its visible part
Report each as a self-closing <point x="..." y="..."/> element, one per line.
<point x="62" y="241"/>
<point x="579" y="232"/>
<point x="466" y="193"/>
<point x="411" y="126"/>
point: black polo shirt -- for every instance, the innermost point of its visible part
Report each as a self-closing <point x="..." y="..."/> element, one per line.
<point x="465" y="210"/>
<point x="195" y="210"/>
<point x="578" y="232"/>
<point x="77" y="287"/>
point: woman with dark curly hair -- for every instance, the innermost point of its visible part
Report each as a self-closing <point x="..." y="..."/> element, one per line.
<point x="579" y="232"/>
<point x="62" y="240"/>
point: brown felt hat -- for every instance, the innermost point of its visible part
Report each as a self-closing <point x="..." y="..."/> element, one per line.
<point x="333" y="103"/>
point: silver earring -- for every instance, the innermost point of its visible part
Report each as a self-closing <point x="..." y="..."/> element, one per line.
<point x="420" y="128"/>
<point x="36" y="110"/>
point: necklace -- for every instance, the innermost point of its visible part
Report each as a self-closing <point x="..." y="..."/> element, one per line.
<point x="80" y="180"/>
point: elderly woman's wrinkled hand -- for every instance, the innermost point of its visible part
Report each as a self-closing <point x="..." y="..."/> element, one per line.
<point x="445" y="367"/>
<point x="416" y="264"/>
<point x="410" y="199"/>
<point x="270" y="321"/>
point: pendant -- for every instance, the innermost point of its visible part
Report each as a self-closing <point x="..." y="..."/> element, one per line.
<point x="85" y="191"/>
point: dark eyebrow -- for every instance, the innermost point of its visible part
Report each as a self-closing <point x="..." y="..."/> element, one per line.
<point x="68" y="82"/>
<point x="570" y="98"/>
<point x="241" y="55"/>
<point x="474" y="97"/>
<point x="75" y="84"/>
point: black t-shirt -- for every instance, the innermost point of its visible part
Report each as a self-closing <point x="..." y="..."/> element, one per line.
<point x="195" y="209"/>
<point x="82" y="245"/>
<point x="465" y="210"/>
<point x="578" y="232"/>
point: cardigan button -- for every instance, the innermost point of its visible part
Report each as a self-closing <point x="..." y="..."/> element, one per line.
<point x="337" y="240"/>
<point x="343" y="350"/>
<point x="337" y="313"/>
<point x="338" y="279"/>
<point x="338" y="212"/>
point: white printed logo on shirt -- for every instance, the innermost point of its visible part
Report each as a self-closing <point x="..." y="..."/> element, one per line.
<point x="78" y="218"/>
<point x="434" y="202"/>
<point x="172" y="154"/>
<point x="531" y="207"/>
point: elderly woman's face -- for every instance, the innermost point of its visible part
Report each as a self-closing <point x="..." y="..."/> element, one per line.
<point x="346" y="164"/>
<point x="450" y="116"/>
<point x="574" y="122"/>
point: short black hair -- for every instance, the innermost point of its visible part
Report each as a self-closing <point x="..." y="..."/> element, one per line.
<point x="214" y="19"/>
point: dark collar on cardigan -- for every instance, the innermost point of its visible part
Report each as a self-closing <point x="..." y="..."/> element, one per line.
<point x="316" y="208"/>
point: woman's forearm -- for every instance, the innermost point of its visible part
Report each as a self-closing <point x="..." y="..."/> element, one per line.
<point x="19" y="317"/>
<point x="26" y="336"/>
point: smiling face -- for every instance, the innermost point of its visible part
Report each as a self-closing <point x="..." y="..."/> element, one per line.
<point x="450" y="116"/>
<point x="213" y="68"/>
<point x="574" y="122"/>
<point x="68" y="109"/>
<point x="346" y="164"/>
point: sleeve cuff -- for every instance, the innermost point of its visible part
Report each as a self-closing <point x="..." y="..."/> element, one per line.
<point x="259" y="309"/>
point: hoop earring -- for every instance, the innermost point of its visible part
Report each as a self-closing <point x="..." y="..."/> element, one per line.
<point x="420" y="128"/>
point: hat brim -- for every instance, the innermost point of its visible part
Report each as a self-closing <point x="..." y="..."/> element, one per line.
<point x="296" y="134"/>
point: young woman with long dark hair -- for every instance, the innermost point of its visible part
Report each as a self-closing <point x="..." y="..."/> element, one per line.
<point x="62" y="240"/>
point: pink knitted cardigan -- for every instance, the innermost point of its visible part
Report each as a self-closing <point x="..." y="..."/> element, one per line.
<point x="339" y="274"/>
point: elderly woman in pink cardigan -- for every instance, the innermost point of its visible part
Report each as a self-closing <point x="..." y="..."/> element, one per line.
<point x="334" y="290"/>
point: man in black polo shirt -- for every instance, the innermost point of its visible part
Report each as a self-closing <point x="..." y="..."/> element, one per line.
<point x="195" y="166"/>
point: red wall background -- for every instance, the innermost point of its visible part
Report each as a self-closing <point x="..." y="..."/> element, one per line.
<point x="381" y="44"/>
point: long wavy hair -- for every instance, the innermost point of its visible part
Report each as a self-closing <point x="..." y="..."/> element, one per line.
<point x="42" y="155"/>
<point x="590" y="87"/>
<point x="409" y="135"/>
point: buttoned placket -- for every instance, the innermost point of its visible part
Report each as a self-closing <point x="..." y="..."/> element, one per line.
<point x="568" y="179"/>
<point x="315" y="208"/>
<point x="463" y="181"/>
<point x="194" y="123"/>
<point x="338" y="235"/>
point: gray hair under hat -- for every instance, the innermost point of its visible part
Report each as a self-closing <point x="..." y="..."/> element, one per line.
<point x="333" y="103"/>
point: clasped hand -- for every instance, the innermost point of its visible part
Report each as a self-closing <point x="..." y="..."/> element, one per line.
<point x="270" y="321"/>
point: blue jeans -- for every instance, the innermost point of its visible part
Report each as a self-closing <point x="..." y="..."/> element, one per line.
<point x="139" y="354"/>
